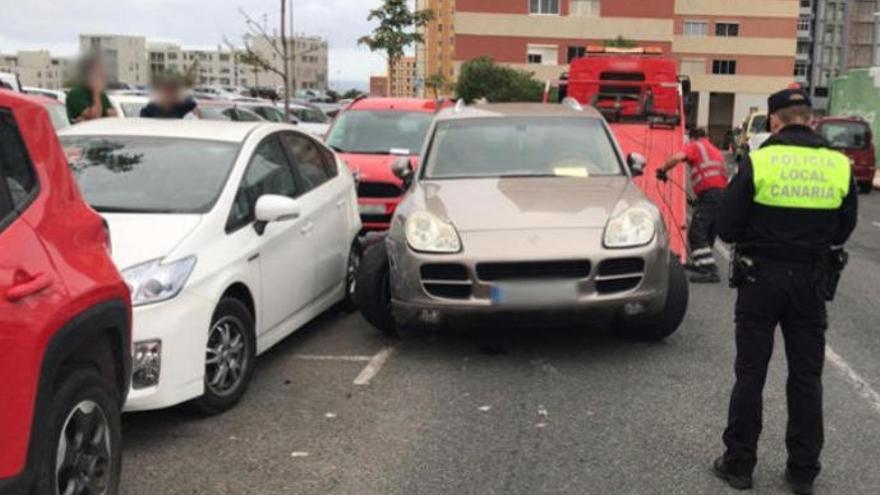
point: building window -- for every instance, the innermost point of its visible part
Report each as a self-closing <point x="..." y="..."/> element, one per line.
<point x="800" y="69"/>
<point x="693" y="67"/>
<point x="696" y="28"/>
<point x="803" y="23"/>
<point x="575" y="52"/>
<point x="726" y="29"/>
<point x="544" y="7"/>
<point x="724" y="67"/>
<point x="542" y="55"/>
<point x="584" y="8"/>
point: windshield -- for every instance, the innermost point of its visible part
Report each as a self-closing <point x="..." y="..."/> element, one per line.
<point x="380" y="132"/>
<point x="521" y="147"/>
<point x="759" y="124"/>
<point x="58" y="116"/>
<point x="271" y="114"/>
<point x="851" y="135"/>
<point x="309" y="115"/>
<point x="126" y="174"/>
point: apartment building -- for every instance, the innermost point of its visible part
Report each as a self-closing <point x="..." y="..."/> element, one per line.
<point x="378" y="86"/>
<point x="207" y="66"/>
<point x="736" y="52"/>
<point x="821" y="47"/>
<point x="437" y="54"/>
<point x="310" y="62"/>
<point x="126" y="56"/>
<point x="402" y="78"/>
<point x="39" y="68"/>
<point x="863" y="33"/>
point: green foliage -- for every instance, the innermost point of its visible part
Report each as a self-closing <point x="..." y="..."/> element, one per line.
<point x="621" y="42"/>
<point x="396" y="30"/>
<point x="483" y="78"/>
<point x="437" y="83"/>
<point x="351" y="94"/>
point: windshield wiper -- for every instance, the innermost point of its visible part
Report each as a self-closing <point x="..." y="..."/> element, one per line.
<point x="122" y="209"/>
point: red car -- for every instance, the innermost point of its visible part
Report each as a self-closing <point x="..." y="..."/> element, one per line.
<point x="370" y="134"/>
<point x="65" y="319"/>
<point x="853" y="136"/>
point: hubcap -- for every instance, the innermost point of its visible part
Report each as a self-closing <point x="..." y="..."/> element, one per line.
<point x="83" y="458"/>
<point x="226" y="358"/>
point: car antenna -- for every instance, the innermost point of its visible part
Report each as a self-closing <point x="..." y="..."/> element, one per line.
<point x="460" y="105"/>
<point x="572" y="104"/>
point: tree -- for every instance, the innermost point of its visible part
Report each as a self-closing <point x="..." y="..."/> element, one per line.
<point x="351" y="94"/>
<point x="621" y="42"/>
<point x="483" y="78"/>
<point x="437" y="83"/>
<point x="396" y="31"/>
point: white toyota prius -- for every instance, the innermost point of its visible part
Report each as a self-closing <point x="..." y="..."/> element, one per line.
<point x="230" y="235"/>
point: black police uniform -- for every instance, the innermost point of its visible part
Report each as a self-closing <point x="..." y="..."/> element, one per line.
<point x="785" y="245"/>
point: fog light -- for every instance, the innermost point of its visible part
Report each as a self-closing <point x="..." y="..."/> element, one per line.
<point x="147" y="364"/>
<point x="633" y="308"/>
<point x="430" y="316"/>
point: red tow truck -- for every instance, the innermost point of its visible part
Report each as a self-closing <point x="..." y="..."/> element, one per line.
<point x="643" y="99"/>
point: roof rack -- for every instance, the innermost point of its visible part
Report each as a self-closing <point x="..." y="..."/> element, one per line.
<point x="572" y="104"/>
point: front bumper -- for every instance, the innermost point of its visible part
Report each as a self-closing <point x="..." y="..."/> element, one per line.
<point x="376" y="213"/>
<point x="415" y="299"/>
<point x="182" y="325"/>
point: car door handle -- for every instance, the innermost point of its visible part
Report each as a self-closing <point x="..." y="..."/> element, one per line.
<point x="307" y="228"/>
<point x="32" y="287"/>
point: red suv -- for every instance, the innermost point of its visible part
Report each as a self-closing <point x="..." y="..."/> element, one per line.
<point x="370" y="134"/>
<point x="853" y="137"/>
<point x="65" y="319"/>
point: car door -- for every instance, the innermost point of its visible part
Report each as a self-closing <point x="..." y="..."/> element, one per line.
<point x="285" y="252"/>
<point x="325" y="203"/>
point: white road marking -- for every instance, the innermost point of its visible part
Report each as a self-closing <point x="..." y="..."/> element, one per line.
<point x="862" y="387"/>
<point x="299" y="454"/>
<point x="373" y="367"/>
<point x="316" y="357"/>
<point x="875" y="224"/>
<point x="484" y="408"/>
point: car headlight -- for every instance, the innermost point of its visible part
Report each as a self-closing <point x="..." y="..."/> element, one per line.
<point x="634" y="227"/>
<point x="153" y="282"/>
<point x="427" y="233"/>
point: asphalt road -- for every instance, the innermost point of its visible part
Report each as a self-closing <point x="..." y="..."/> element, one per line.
<point x="525" y="411"/>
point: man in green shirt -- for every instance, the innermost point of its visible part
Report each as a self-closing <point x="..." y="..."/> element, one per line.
<point x="88" y="100"/>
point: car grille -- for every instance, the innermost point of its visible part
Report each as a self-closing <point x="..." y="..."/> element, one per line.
<point x="619" y="275"/>
<point x="376" y="218"/>
<point x="446" y="280"/>
<point x="531" y="270"/>
<point x="378" y="190"/>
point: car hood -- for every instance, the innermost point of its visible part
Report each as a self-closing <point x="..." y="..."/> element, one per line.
<point x="372" y="168"/>
<point x="137" y="238"/>
<point x="314" y="128"/>
<point x="522" y="203"/>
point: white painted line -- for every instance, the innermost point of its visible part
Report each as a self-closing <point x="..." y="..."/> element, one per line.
<point x="875" y="224"/>
<point x="316" y="357"/>
<point x="374" y="366"/>
<point x="862" y="387"/>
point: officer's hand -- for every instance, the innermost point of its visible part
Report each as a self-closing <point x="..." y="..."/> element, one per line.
<point x="661" y="175"/>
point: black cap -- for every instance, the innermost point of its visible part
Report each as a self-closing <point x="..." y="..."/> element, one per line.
<point x="787" y="98"/>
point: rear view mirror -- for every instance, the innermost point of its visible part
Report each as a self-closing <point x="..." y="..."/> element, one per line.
<point x="636" y="163"/>
<point x="403" y="170"/>
<point x="274" y="208"/>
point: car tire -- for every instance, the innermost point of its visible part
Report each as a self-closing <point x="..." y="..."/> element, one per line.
<point x="866" y="187"/>
<point x="658" y="327"/>
<point x="373" y="290"/>
<point x="83" y="406"/>
<point x="352" y="267"/>
<point x="231" y="345"/>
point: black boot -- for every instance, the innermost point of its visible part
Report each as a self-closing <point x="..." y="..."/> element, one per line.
<point x="707" y="275"/>
<point x="799" y="487"/>
<point x="739" y="482"/>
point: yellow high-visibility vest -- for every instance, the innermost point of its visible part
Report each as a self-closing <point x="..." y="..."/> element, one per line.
<point x="799" y="177"/>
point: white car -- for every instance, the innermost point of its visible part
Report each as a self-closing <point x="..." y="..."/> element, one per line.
<point x="231" y="236"/>
<point x="128" y="106"/>
<point x="47" y="93"/>
<point x="309" y="119"/>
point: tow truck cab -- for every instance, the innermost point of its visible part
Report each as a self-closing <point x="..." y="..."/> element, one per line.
<point x="645" y="102"/>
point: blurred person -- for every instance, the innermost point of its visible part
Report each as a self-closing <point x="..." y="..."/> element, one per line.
<point x="87" y="100"/>
<point x="168" y="101"/>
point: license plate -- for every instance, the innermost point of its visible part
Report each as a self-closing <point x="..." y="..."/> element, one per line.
<point x="534" y="293"/>
<point x="372" y="209"/>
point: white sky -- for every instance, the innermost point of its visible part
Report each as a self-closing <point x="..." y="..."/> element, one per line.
<point x="56" y="24"/>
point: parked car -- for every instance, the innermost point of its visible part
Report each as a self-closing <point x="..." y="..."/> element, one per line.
<point x="265" y="109"/>
<point x="48" y="93"/>
<point x="10" y="81"/>
<point x="128" y="106"/>
<point x="853" y="136"/>
<point x="231" y="236"/>
<point x="522" y="210"/>
<point x="755" y="122"/>
<point x="64" y="320"/>
<point x="370" y="134"/>
<point x="57" y="111"/>
<point x="309" y="118"/>
<point x="227" y="111"/>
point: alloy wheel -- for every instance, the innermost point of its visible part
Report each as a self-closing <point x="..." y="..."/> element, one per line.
<point x="226" y="357"/>
<point x="354" y="264"/>
<point x="83" y="456"/>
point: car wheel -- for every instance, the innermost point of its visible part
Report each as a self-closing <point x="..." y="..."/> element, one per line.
<point x="665" y="323"/>
<point x="349" y="304"/>
<point x="229" y="357"/>
<point x="866" y="187"/>
<point x="84" y="453"/>
<point x="373" y="289"/>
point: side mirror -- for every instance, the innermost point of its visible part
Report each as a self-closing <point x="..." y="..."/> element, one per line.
<point x="294" y="120"/>
<point x="274" y="208"/>
<point x="403" y="170"/>
<point x="636" y="163"/>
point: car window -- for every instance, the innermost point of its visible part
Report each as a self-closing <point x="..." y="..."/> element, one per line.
<point x="18" y="173"/>
<point x="269" y="113"/>
<point x="268" y="173"/>
<point x="846" y="135"/>
<point x="243" y="115"/>
<point x="307" y="160"/>
<point x="380" y="132"/>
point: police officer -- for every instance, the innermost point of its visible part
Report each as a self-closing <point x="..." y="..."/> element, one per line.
<point x="708" y="180"/>
<point x="792" y="202"/>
